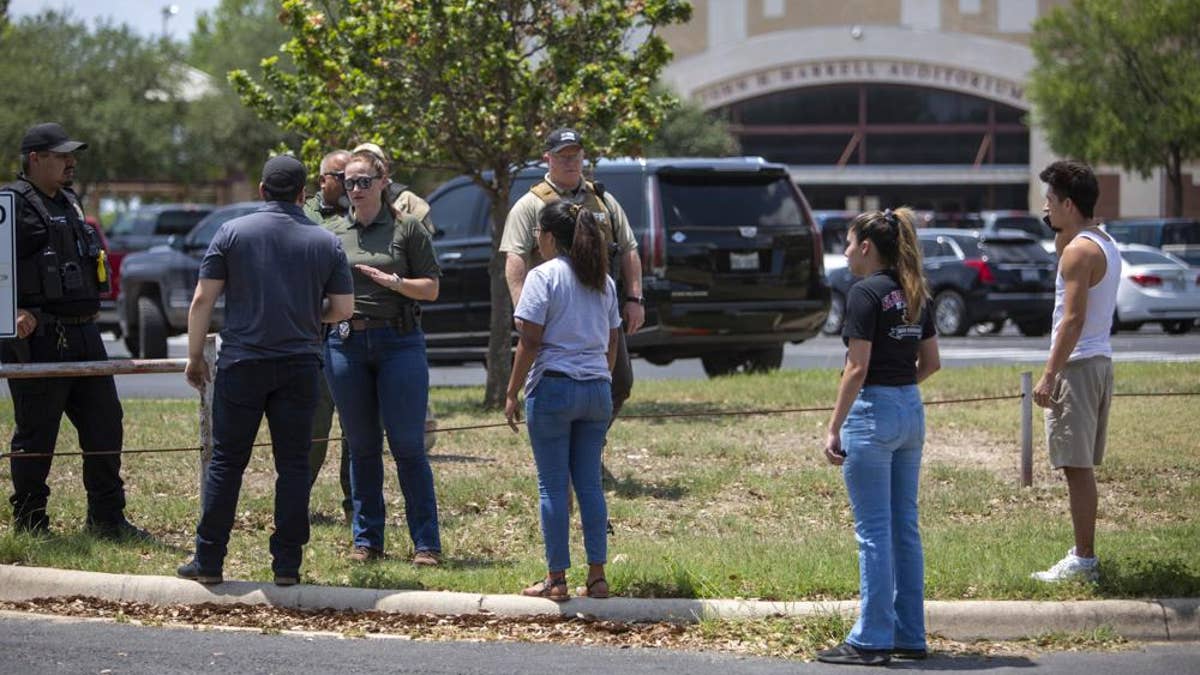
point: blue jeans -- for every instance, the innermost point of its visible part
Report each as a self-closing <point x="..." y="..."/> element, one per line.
<point x="567" y="421"/>
<point x="381" y="375"/>
<point x="883" y="436"/>
<point x="285" y="389"/>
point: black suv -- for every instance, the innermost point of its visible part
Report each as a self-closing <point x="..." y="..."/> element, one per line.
<point x="730" y="255"/>
<point x="157" y="285"/>
<point x="976" y="277"/>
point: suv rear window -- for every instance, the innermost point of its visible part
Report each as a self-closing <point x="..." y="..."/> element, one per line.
<point x="1027" y="224"/>
<point x="718" y="200"/>
<point x="1181" y="233"/>
<point x="178" y="222"/>
<point x="1013" y="251"/>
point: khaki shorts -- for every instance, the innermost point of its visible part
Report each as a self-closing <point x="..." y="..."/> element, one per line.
<point x="1077" y="421"/>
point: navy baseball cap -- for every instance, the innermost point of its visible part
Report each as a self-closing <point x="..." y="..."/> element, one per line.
<point x="562" y="138"/>
<point x="284" y="173"/>
<point x="49" y="137"/>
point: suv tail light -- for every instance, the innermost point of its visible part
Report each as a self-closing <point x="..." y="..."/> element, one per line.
<point x="653" y="246"/>
<point x="1146" y="280"/>
<point x="981" y="266"/>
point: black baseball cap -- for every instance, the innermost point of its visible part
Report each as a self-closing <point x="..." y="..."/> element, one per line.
<point x="284" y="173"/>
<point x="561" y="138"/>
<point x="49" y="137"/>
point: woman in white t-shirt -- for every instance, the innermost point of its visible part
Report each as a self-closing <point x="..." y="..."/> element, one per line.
<point x="568" y="319"/>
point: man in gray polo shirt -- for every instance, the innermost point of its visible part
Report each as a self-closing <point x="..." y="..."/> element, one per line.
<point x="282" y="276"/>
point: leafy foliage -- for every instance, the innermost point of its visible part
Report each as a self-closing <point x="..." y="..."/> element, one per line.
<point x="106" y="85"/>
<point x="227" y="137"/>
<point x="470" y="86"/>
<point x="1118" y="81"/>
<point x="689" y="131"/>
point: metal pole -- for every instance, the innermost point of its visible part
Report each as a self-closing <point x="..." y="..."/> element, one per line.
<point x="206" y="397"/>
<point x="1026" y="429"/>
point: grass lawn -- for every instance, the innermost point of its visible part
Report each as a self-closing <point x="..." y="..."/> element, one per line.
<point x="703" y="506"/>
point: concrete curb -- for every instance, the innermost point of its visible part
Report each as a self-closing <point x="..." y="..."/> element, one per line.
<point x="1159" y="620"/>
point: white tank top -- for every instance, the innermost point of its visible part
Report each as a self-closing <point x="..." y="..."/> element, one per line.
<point x="1101" y="304"/>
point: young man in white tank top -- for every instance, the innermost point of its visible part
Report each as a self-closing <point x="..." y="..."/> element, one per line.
<point x="1076" y="386"/>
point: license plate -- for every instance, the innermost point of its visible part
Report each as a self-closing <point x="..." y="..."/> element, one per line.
<point x="742" y="262"/>
<point x="1029" y="275"/>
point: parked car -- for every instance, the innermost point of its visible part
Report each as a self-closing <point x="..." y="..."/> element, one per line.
<point x="157" y="285"/>
<point x="1025" y="221"/>
<point x="1178" y="236"/>
<point x="730" y="256"/>
<point x="1156" y="287"/>
<point x="139" y="229"/>
<point x="833" y="226"/>
<point x="975" y="277"/>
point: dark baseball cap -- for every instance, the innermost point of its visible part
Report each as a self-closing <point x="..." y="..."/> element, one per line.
<point x="49" y="137"/>
<point x="561" y="138"/>
<point x="284" y="173"/>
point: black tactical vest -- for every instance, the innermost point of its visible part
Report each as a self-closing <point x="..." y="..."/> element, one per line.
<point x="70" y="266"/>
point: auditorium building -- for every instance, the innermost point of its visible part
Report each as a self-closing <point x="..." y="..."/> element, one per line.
<point x="883" y="102"/>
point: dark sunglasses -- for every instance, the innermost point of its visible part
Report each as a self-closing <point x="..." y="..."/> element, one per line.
<point x="339" y="176"/>
<point x="361" y="183"/>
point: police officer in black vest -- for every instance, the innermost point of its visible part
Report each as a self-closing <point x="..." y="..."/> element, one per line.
<point x="61" y="271"/>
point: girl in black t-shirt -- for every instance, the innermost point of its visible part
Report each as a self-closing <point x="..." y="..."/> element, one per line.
<point x="877" y="432"/>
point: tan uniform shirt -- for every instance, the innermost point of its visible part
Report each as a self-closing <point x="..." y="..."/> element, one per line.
<point x="518" y="234"/>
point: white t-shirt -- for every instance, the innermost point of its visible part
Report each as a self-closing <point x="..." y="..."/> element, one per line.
<point x="576" y="322"/>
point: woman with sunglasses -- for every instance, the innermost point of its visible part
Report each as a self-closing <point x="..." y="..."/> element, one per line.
<point x="878" y="430"/>
<point x="376" y="365"/>
<point x="568" y="320"/>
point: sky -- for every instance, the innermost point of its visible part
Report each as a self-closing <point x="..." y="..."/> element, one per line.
<point x="145" y="16"/>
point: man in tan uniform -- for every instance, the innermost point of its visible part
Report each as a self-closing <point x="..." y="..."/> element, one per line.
<point x="564" y="155"/>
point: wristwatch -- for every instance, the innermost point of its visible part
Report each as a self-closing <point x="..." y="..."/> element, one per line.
<point x="635" y="298"/>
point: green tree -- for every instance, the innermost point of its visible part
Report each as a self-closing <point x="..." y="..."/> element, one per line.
<point x="470" y="86"/>
<point x="1118" y="81"/>
<point x="689" y="131"/>
<point x="106" y="85"/>
<point x="226" y="137"/>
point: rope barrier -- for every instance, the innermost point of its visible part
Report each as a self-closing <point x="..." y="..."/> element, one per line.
<point x="644" y="416"/>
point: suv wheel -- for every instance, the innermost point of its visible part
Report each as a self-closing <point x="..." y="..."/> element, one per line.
<point x="1034" y="327"/>
<point x="950" y="314"/>
<point x="762" y="360"/>
<point x="152" y="330"/>
<point x="131" y="343"/>
<point x="837" y="314"/>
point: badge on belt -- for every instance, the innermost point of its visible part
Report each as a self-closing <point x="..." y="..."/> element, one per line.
<point x="343" y="329"/>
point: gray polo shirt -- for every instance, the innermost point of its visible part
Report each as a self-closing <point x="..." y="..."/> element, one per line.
<point x="277" y="266"/>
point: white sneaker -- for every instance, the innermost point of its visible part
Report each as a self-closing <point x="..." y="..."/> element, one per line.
<point x="1071" y="568"/>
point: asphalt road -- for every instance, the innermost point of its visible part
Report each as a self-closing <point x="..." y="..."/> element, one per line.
<point x="1009" y="346"/>
<point x="35" y="644"/>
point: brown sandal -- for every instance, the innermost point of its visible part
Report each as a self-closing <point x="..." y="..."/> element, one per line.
<point x="549" y="588"/>
<point x="590" y="591"/>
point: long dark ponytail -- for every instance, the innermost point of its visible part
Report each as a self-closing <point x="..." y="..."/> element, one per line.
<point x="894" y="235"/>
<point x="576" y="233"/>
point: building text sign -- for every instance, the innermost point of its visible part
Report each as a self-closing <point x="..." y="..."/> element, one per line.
<point x="842" y="71"/>
<point x="8" y="266"/>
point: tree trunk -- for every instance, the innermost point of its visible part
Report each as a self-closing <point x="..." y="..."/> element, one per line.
<point x="1175" y="177"/>
<point x="499" y="354"/>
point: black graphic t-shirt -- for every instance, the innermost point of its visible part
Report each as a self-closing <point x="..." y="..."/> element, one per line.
<point x="875" y="312"/>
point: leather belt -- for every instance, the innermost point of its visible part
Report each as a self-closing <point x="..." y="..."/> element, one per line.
<point x="363" y="324"/>
<point x="555" y="373"/>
